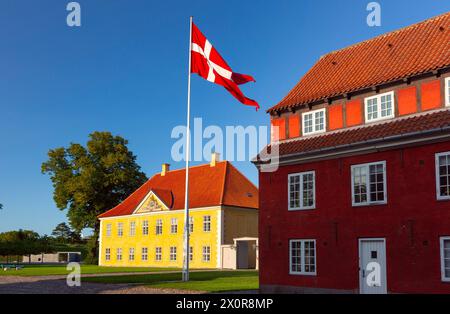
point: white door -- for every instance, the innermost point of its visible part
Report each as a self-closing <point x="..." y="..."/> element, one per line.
<point x="372" y="266"/>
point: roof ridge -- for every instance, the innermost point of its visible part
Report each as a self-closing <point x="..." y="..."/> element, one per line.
<point x="388" y="34"/>
<point x="191" y="167"/>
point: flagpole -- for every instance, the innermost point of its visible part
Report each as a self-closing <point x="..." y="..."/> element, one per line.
<point x="186" y="196"/>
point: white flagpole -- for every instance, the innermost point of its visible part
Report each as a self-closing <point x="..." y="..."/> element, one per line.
<point x="188" y="143"/>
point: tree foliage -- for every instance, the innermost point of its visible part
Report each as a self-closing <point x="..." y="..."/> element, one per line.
<point x="23" y="242"/>
<point x="63" y="234"/>
<point x="89" y="180"/>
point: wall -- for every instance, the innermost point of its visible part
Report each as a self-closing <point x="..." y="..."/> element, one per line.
<point x="238" y="223"/>
<point x="412" y="222"/>
<point x="418" y="95"/>
<point x="198" y="239"/>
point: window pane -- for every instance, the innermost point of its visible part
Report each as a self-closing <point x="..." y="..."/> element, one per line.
<point x="319" y="121"/>
<point x="444" y="175"/>
<point x="359" y="184"/>
<point x="308" y="123"/>
<point x="294" y="197"/>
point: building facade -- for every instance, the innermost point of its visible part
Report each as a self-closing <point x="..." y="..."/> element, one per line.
<point x="360" y="202"/>
<point x="146" y="229"/>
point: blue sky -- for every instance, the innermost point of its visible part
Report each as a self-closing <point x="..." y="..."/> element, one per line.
<point x="125" y="71"/>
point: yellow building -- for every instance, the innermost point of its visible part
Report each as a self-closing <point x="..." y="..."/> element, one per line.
<point x="146" y="229"/>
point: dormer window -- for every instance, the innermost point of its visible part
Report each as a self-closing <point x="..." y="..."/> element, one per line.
<point x="313" y="122"/>
<point x="379" y="107"/>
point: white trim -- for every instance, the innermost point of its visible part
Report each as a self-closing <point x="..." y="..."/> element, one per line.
<point x="302" y="249"/>
<point x="313" y="112"/>
<point x="368" y="202"/>
<point x="100" y="259"/>
<point x="360" y="240"/>
<point x="442" y="239"/>
<point x="447" y="91"/>
<point x="302" y="207"/>
<point x="438" y="184"/>
<point x="378" y="97"/>
<point x="165" y="212"/>
<point x="146" y="198"/>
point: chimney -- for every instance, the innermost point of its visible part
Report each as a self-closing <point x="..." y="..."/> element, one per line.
<point x="165" y="169"/>
<point x="215" y="158"/>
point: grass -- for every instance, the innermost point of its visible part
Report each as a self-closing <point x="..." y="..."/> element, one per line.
<point x="46" y="270"/>
<point x="210" y="281"/>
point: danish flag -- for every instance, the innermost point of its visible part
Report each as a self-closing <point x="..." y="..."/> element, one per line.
<point x="208" y="63"/>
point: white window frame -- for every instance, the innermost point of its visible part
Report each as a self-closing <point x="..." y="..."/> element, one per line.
<point x="447" y="91"/>
<point x="132" y="231"/>
<point x="379" y="117"/>
<point x="443" y="277"/>
<point x="131" y="254"/>
<point x="173" y="254"/>
<point x="120" y="229"/>
<point x="108" y="230"/>
<point x="159" y="227"/>
<point x="313" y="113"/>
<point x="107" y="254"/>
<point x="145" y="227"/>
<point x="173" y="225"/>
<point x="191" y="253"/>
<point x="438" y="183"/>
<point x="158" y="254"/>
<point x="302" y="207"/>
<point x="206" y="254"/>
<point x="207" y="223"/>
<point x="144" y="254"/>
<point x="368" y="202"/>
<point x="302" y="252"/>
<point x="119" y="253"/>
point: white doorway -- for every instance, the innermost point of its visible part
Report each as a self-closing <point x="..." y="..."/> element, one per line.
<point x="372" y="266"/>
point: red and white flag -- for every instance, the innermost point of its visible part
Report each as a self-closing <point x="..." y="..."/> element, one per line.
<point x="208" y="63"/>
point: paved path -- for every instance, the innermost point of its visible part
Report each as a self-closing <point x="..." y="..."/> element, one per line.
<point x="57" y="285"/>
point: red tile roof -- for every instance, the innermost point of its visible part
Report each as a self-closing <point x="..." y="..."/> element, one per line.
<point x="222" y="184"/>
<point x="413" y="50"/>
<point x="367" y="133"/>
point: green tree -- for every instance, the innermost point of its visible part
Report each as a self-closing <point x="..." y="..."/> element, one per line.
<point x="89" y="180"/>
<point x="62" y="233"/>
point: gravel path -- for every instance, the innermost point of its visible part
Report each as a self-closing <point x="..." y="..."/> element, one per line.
<point x="57" y="285"/>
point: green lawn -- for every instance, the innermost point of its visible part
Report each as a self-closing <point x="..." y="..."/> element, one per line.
<point x="45" y="270"/>
<point x="210" y="281"/>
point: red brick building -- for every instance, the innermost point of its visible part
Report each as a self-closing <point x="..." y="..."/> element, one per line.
<point x="360" y="202"/>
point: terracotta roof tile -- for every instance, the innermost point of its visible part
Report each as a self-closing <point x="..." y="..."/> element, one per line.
<point x="412" y="50"/>
<point x="372" y="132"/>
<point x="208" y="186"/>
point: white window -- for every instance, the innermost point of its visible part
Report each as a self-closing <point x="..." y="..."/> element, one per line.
<point x="301" y="192"/>
<point x="302" y="257"/>
<point x="206" y="223"/>
<point x="445" y="259"/>
<point x="108" y="254"/>
<point x="443" y="176"/>
<point x="159" y="226"/>
<point x="191" y="253"/>
<point x="206" y="254"/>
<point x="132" y="228"/>
<point x="158" y="254"/>
<point x="119" y="254"/>
<point x="369" y="184"/>
<point x="173" y="225"/>
<point x="191" y="224"/>
<point x="173" y="253"/>
<point x="108" y="230"/>
<point x="379" y="107"/>
<point x="144" y="254"/>
<point x="447" y="91"/>
<point x="145" y="227"/>
<point x="313" y="122"/>
<point x="120" y="229"/>
<point x="131" y="254"/>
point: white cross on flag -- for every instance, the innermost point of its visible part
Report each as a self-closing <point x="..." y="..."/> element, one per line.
<point x="208" y="63"/>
